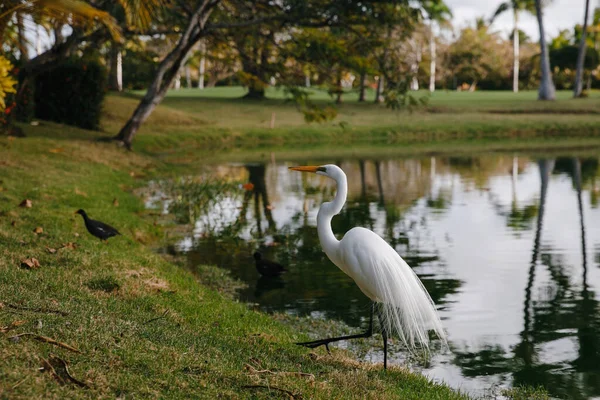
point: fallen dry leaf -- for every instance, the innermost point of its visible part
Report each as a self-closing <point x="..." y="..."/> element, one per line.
<point x="12" y="325"/>
<point x="80" y="193"/>
<point x="26" y="203"/>
<point x="38" y="230"/>
<point x="50" y="250"/>
<point x="56" y="150"/>
<point x="30" y="263"/>
<point x="131" y="173"/>
<point x="69" y="245"/>
<point x="115" y="202"/>
<point x="76" y="234"/>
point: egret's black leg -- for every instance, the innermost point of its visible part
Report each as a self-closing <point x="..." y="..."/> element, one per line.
<point x="385" y="337"/>
<point x="325" y="342"/>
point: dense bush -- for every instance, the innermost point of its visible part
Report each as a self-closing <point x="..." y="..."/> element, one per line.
<point x="71" y="93"/>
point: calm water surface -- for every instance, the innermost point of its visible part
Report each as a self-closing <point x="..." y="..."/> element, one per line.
<point x="508" y="247"/>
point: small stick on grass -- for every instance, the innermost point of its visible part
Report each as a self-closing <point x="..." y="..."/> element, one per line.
<point x="16" y="385"/>
<point x="291" y="394"/>
<point x="253" y="370"/>
<point x="156" y="318"/>
<point x="45" y="340"/>
<point x="38" y="309"/>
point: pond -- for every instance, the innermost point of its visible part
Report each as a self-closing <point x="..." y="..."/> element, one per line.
<point x="507" y="245"/>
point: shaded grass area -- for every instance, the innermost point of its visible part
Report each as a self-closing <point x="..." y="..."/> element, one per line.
<point x="127" y="322"/>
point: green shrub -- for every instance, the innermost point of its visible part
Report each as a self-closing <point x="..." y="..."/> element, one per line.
<point x="71" y="93"/>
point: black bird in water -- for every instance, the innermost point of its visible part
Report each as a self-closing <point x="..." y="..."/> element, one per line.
<point x="97" y="228"/>
<point x="266" y="267"/>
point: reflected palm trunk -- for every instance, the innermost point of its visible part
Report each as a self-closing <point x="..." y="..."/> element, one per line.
<point x="525" y="349"/>
<point x="515" y="174"/>
<point x="379" y="183"/>
<point x="363" y="185"/>
<point x="589" y="348"/>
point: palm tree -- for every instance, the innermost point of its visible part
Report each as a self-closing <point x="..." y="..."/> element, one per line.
<point x="547" y="90"/>
<point x="516" y="6"/>
<point x="437" y="11"/>
<point x="578" y="87"/>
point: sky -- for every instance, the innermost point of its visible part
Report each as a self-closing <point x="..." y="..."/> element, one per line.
<point x="558" y="15"/>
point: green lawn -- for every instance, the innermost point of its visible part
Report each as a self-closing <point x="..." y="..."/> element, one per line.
<point x="217" y="118"/>
<point x="144" y="327"/>
<point x="128" y="322"/>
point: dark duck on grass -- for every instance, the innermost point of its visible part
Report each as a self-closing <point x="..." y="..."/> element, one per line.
<point x="99" y="229"/>
<point x="266" y="267"/>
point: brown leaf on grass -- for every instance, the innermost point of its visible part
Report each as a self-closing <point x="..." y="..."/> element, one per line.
<point x="56" y="150"/>
<point x="69" y="245"/>
<point x="115" y="202"/>
<point x="50" y="250"/>
<point x="26" y="203"/>
<point x="38" y="230"/>
<point x="11" y="326"/>
<point x="80" y="193"/>
<point x="44" y="339"/>
<point x="131" y="173"/>
<point x="30" y="263"/>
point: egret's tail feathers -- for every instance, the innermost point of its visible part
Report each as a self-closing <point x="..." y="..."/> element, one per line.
<point x="405" y="307"/>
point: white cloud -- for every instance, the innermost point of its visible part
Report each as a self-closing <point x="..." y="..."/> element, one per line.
<point x="558" y="15"/>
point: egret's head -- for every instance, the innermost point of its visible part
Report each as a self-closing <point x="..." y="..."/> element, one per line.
<point x="329" y="170"/>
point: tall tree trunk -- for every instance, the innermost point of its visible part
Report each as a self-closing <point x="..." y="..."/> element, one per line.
<point x="379" y="91"/>
<point x="547" y="90"/>
<point x="115" y="81"/>
<point x="361" y="94"/>
<point x="166" y="72"/>
<point x="578" y="87"/>
<point x="433" y="55"/>
<point x="202" y="67"/>
<point x="516" y="51"/>
<point x="188" y="77"/>
<point x="24" y="54"/>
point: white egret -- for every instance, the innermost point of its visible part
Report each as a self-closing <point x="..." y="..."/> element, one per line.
<point x="404" y="306"/>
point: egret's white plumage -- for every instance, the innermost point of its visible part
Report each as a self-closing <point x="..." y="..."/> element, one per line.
<point x="378" y="270"/>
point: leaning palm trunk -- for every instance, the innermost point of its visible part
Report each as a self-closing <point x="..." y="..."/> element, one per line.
<point x="547" y="90"/>
<point x="516" y="51"/>
<point x="581" y="55"/>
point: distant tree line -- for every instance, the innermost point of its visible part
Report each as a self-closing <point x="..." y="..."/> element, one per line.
<point x="385" y="48"/>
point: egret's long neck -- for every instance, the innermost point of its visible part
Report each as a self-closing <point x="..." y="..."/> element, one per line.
<point x="328" y="240"/>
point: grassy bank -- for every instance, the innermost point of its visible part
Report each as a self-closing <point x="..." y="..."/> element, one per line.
<point x="216" y="119"/>
<point x="132" y="324"/>
<point x="126" y="322"/>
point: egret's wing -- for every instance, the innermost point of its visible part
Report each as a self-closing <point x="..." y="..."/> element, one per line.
<point x="383" y="275"/>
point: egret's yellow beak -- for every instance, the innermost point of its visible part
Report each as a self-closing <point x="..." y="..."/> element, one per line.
<point x="306" y="168"/>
